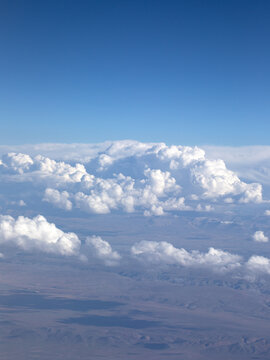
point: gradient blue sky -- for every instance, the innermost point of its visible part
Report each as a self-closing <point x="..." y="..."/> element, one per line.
<point x="185" y="72"/>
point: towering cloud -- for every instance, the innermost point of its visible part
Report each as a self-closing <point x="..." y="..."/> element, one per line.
<point x="130" y="176"/>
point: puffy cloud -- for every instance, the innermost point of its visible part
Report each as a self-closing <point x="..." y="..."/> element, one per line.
<point x="164" y="252"/>
<point x="250" y="162"/>
<point x="123" y="192"/>
<point x="154" y="210"/>
<point x="60" y="199"/>
<point x="267" y="212"/>
<point x="161" y="182"/>
<point x="104" y="161"/>
<point x="251" y="193"/>
<point x="37" y="234"/>
<point x="41" y="169"/>
<point x="61" y="171"/>
<point x="260" y="237"/>
<point x="217" y="180"/>
<point x="259" y="264"/>
<point x="103" y="250"/>
<point x="107" y="194"/>
<point x="215" y="259"/>
<point x="181" y="155"/>
<point x="18" y="162"/>
<point x="129" y="176"/>
<point x="128" y="148"/>
<point x="21" y="203"/>
<point x="206" y="208"/>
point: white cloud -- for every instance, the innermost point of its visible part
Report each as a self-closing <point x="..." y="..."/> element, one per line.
<point x="103" y="250"/>
<point x="259" y="264"/>
<point x="215" y="259"/>
<point x="104" y="161"/>
<point x="161" y="182"/>
<point x="251" y="193"/>
<point x="250" y="162"/>
<point x="18" y="203"/>
<point x="229" y="200"/>
<point x="206" y="208"/>
<point x="260" y="237"/>
<point x="128" y="176"/>
<point x="59" y="199"/>
<point x="154" y="210"/>
<point x="217" y="180"/>
<point x="107" y="194"/>
<point x="41" y="169"/>
<point x="181" y="156"/>
<point x="84" y="153"/>
<point x="164" y="252"/>
<point x="123" y="192"/>
<point x="267" y="212"/>
<point x="37" y="234"/>
<point x="18" y="162"/>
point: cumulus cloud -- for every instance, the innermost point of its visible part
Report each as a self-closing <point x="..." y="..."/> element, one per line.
<point x="37" y="234"/>
<point x="20" y="203"/>
<point x="217" y="180"/>
<point x="161" y="182"/>
<point x="250" y="162"/>
<point x="103" y="250"/>
<point x="123" y="192"/>
<point x="41" y="169"/>
<point x="215" y="259"/>
<point x="260" y="237"/>
<point x="259" y="264"/>
<point x="180" y="155"/>
<point x="164" y="252"/>
<point x="59" y="199"/>
<point x="129" y="176"/>
<point x="17" y="162"/>
<point x="105" y="195"/>
<point x="267" y="212"/>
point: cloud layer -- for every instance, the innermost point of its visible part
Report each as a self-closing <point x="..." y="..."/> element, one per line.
<point x="38" y="234"/>
<point x="150" y="179"/>
<point x="130" y="176"/>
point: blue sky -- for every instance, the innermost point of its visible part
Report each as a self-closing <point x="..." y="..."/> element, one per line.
<point x="185" y="72"/>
